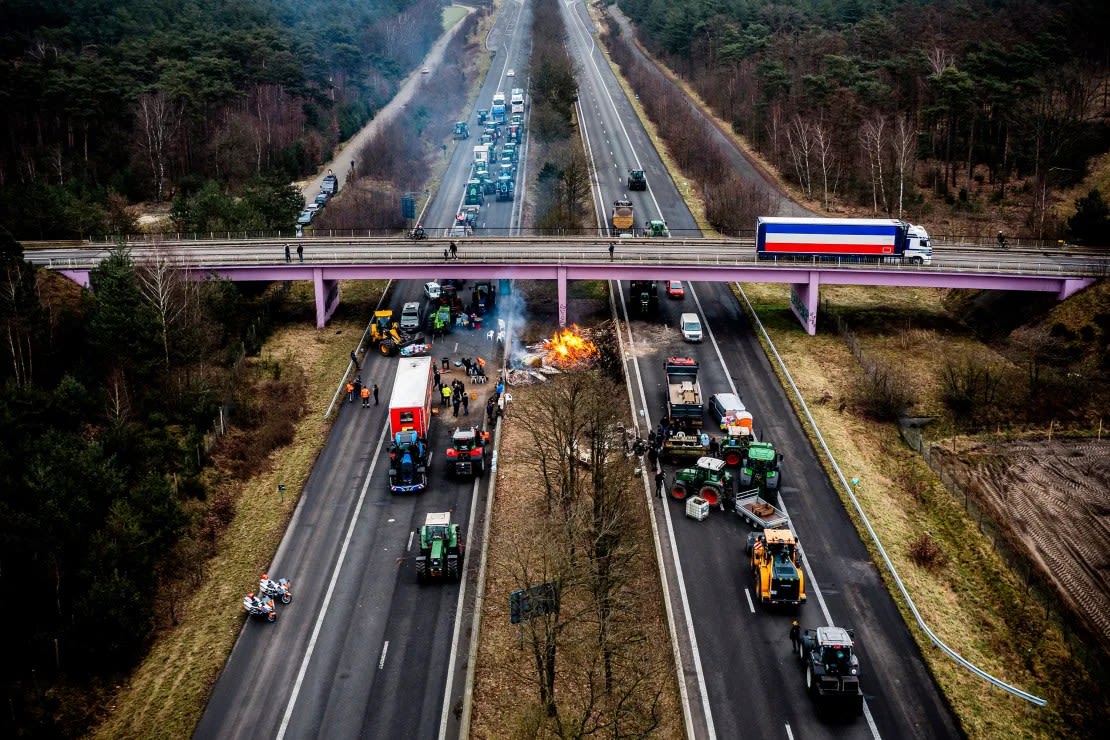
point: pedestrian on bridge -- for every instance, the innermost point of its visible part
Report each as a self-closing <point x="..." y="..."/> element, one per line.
<point x="454" y="251"/>
<point x="300" y="252"/>
<point x="288" y="257"/>
<point x="612" y="247"/>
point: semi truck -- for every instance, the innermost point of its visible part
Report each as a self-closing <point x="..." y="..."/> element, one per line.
<point x="517" y="100"/>
<point x="410" y="404"/>
<point x="843" y="239"/>
<point x="684" y="399"/>
<point x="497" y="112"/>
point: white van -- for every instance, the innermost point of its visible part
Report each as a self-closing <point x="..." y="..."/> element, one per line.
<point x="410" y="316"/>
<point x="690" y="325"/>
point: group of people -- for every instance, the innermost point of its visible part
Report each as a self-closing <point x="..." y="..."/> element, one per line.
<point x="454" y="395"/>
<point x="356" y="389"/>
<point x="495" y="405"/>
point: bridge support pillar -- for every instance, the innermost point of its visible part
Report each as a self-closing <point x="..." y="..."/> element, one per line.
<point x="1072" y="286"/>
<point x="561" y="278"/>
<point x="327" y="297"/>
<point x="803" y="302"/>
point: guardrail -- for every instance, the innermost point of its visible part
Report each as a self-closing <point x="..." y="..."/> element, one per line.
<point x="1031" y="698"/>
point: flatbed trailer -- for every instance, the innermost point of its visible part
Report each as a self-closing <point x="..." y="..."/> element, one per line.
<point x="759" y="513"/>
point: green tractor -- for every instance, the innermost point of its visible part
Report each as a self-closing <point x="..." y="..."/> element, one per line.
<point x="441" y="549"/>
<point x="707" y="479"/>
<point x="762" y="467"/>
<point x="462" y="131"/>
<point x="636" y="180"/>
<point x="656" y="227"/>
<point x="735" y="444"/>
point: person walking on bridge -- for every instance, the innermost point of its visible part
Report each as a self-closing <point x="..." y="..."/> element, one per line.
<point x="454" y="251"/>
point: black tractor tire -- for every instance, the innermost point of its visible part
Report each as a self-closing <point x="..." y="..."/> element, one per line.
<point x="387" y="348"/>
<point x="480" y="468"/>
<point x="811" y="685"/>
<point x="678" y="491"/>
<point x="421" y="571"/>
<point x="802" y="652"/>
<point x="453" y="569"/>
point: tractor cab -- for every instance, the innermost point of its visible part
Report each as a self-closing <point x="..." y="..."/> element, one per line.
<point x="762" y="466"/>
<point x="483" y="114"/>
<point x="475" y="194"/>
<point x="834" y="647"/>
<point x="656" y="227"/>
<point x="462" y="131"/>
<point x="636" y="180"/>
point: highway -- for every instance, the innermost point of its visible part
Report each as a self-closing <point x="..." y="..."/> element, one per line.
<point x="740" y="675"/>
<point x="364" y="651"/>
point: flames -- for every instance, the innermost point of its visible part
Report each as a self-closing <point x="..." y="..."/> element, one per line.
<point x="570" y="349"/>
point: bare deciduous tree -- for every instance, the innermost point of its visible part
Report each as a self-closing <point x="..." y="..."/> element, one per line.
<point x="159" y="119"/>
<point x="826" y="158"/>
<point x="159" y="276"/>
<point x="799" y="138"/>
<point x="904" y="143"/>
<point x="871" y="139"/>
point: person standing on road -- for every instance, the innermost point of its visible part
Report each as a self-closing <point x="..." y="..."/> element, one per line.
<point x="446" y="393"/>
<point x="466" y="403"/>
<point x="375" y="394"/>
<point x="350" y="391"/>
<point x="358" y="386"/>
<point x="365" y="397"/>
<point x="661" y="482"/>
<point x="354" y="360"/>
<point x="795" y="635"/>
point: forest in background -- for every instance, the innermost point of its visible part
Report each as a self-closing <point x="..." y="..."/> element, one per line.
<point x="221" y="103"/>
<point x="993" y="106"/>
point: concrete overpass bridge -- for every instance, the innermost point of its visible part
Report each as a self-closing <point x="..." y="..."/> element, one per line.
<point x="328" y="261"/>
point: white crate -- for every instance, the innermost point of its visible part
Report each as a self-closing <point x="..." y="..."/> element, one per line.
<point x="697" y="508"/>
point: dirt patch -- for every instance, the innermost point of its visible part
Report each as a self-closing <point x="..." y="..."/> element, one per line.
<point x="1051" y="499"/>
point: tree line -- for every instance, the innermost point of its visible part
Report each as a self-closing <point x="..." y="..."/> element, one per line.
<point x="870" y="102"/>
<point x="106" y="512"/>
<point x="152" y="100"/>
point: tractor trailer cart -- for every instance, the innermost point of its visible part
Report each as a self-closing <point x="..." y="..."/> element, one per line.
<point x="684" y="400"/>
<point x="759" y="513"/>
<point x="842" y="239"/>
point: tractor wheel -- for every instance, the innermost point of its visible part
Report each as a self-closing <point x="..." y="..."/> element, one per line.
<point x="678" y="491"/>
<point x="421" y="571"/>
<point x="453" y="569"/>
<point x="711" y="494"/>
<point x="387" y="348"/>
<point x="802" y="651"/>
<point x="733" y="459"/>
<point x="480" y="468"/>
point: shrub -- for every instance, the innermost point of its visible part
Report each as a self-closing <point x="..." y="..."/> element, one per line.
<point x="925" y="552"/>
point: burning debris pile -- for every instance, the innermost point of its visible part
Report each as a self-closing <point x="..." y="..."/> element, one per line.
<point x="567" y="349"/>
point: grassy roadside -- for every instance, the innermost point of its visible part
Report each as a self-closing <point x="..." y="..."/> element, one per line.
<point x="166" y="694"/>
<point x="973" y="601"/>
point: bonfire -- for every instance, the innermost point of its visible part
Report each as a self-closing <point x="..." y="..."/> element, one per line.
<point x="570" y="349"/>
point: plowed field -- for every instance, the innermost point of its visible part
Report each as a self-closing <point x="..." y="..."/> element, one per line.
<point x="1052" y="499"/>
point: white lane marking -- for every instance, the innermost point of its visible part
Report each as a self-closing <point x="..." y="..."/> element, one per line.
<point x="408" y="548"/>
<point x="789" y="733"/>
<point x="331" y="590"/>
<point x="385" y="649"/>
<point x="828" y="616"/>
<point x="748" y="596"/>
<point x="674" y="547"/>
